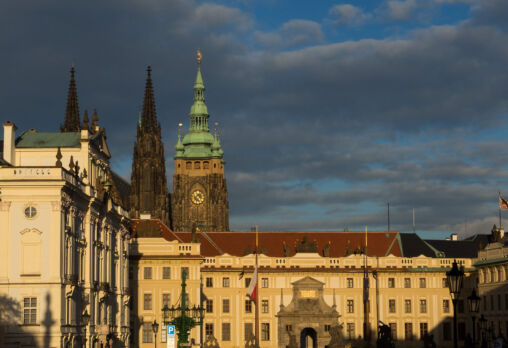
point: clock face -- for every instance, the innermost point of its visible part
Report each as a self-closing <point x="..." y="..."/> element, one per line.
<point x="197" y="197"/>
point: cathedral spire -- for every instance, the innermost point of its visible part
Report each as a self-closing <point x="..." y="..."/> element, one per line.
<point x="149" y="118"/>
<point x="149" y="193"/>
<point x="72" y="123"/>
<point x="199" y="111"/>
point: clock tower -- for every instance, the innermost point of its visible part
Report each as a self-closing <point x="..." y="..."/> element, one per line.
<point x="200" y="196"/>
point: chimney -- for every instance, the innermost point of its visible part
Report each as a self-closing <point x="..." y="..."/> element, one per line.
<point x="9" y="138"/>
<point x="454" y="236"/>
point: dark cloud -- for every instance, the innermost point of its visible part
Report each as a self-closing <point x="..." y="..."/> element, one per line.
<point x="316" y="134"/>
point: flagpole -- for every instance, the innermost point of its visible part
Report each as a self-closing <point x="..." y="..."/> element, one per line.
<point x="366" y="324"/>
<point x="256" y="319"/>
<point x="500" y="221"/>
<point x="413" y="220"/>
<point x="388" y="204"/>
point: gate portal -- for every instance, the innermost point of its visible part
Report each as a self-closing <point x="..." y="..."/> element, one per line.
<point x="308" y="338"/>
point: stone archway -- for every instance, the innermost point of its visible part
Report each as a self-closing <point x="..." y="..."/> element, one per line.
<point x="307" y="315"/>
<point x="307" y="333"/>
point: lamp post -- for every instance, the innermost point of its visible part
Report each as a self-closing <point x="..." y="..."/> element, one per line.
<point x="483" y="326"/>
<point x="183" y="317"/>
<point x="85" y="318"/>
<point x="455" y="278"/>
<point x="474" y="306"/>
<point x="155" y="328"/>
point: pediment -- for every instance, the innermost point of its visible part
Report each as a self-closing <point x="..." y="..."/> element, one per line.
<point x="307" y="282"/>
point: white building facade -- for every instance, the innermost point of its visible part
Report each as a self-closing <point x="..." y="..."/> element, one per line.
<point x="64" y="250"/>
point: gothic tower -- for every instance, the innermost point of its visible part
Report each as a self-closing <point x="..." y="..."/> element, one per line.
<point x="71" y="123"/>
<point x="149" y="192"/>
<point x="200" y="196"/>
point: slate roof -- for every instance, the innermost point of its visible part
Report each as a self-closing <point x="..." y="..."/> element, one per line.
<point x="32" y="139"/>
<point x="455" y="248"/>
<point x="123" y="188"/>
<point x="413" y="246"/>
<point x="272" y="243"/>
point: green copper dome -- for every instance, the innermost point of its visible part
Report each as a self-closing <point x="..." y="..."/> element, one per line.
<point x="198" y="142"/>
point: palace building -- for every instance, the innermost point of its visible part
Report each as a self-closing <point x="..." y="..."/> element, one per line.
<point x="65" y="237"/>
<point x="79" y="241"/>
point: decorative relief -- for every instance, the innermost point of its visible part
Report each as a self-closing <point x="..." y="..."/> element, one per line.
<point x="4" y="206"/>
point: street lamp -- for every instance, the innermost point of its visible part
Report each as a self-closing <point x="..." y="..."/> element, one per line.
<point x="483" y="326"/>
<point x="183" y="317"/>
<point x="455" y="278"/>
<point x="85" y="318"/>
<point x="155" y="328"/>
<point x="474" y="307"/>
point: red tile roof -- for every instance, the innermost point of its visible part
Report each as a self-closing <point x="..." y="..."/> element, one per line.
<point x="272" y="243"/>
<point x="152" y="228"/>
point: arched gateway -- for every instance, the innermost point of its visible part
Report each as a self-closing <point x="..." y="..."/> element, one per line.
<point x="306" y="320"/>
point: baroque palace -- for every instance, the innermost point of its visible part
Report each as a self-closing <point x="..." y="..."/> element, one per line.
<point x="90" y="260"/>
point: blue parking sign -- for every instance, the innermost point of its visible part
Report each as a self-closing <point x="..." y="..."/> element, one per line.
<point x="171" y="330"/>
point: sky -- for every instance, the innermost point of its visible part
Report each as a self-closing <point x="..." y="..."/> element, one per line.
<point x="328" y="110"/>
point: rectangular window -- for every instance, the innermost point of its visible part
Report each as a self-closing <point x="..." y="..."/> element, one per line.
<point x="424" y="329"/>
<point x="147" y="333"/>
<point x="423" y="306"/>
<point x="349" y="282"/>
<point x="423" y="283"/>
<point x="407" y="306"/>
<point x="166" y="300"/>
<point x="491" y="302"/>
<point x="499" y="302"/>
<point x="461" y="330"/>
<point x="164" y="333"/>
<point x="147" y="302"/>
<point x="444" y="283"/>
<point x="447" y="331"/>
<point x="166" y="272"/>
<point x="264" y="282"/>
<point x="248" y="306"/>
<point x="209" y="282"/>
<point x="484" y="300"/>
<point x="407" y="283"/>
<point x="29" y="310"/>
<point x="248" y="330"/>
<point x="460" y="306"/>
<point x="209" y="306"/>
<point x="327" y="327"/>
<point x="264" y="306"/>
<point x="265" y="331"/>
<point x="226" y="331"/>
<point x="247" y="282"/>
<point x="350" y="306"/>
<point x="408" y="331"/>
<point x="393" y="328"/>
<point x="225" y="305"/>
<point x="506" y="304"/>
<point x="391" y="282"/>
<point x="289" y="328"/>
<point x="446" y="306"/>
<point x="391" y="306"/>
<point x="209" y="329"/>
<point x="351" y="331"/>
<point x="225" y="282"/>
<point x="147" y="273"/>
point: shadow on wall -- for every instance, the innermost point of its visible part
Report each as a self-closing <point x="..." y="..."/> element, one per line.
<point x="13" y="335"/>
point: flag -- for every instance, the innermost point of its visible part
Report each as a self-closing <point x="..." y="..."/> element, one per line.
<point x="252" y="290"/>
<point x="365" y="289"/>
<point x="503" y="203"/>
